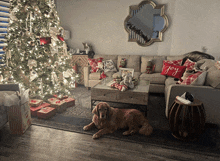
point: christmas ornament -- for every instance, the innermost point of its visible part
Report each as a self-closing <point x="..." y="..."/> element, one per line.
<point x="32" y="63"/>
<point x="45" y="40"/>
<point x="60" y="37"/>
<point x="33" y="75"/>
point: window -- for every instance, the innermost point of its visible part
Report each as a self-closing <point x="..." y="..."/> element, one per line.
<point x="4" y="19"/>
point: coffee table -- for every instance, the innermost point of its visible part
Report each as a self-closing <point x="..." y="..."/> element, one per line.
<point x="136" y="96"/>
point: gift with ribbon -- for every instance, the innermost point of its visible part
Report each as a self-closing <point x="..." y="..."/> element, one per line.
<point x="70" y="102"/>
<point x="35" y="102"/>
<point x="59" y="105"/>
<point x="46" y="112"/>
<point x="35" y="109"/>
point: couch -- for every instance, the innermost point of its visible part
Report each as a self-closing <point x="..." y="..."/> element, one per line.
<point x="208" y="93"/>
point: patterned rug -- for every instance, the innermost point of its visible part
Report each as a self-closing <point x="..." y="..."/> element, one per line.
<point x="74" y="118"/>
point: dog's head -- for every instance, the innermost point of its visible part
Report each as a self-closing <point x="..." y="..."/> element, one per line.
<point x="102" y="110"/>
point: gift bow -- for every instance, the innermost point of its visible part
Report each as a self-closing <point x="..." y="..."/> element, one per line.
<point x="33" y="101"/>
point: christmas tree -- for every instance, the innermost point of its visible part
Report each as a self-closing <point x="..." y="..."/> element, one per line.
<point x="36" y="53"/>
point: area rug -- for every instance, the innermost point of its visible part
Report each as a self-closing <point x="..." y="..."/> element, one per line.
<point x="80" y="115"/>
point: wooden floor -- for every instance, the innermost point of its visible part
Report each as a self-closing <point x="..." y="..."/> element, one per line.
<point x="46" y="144"/>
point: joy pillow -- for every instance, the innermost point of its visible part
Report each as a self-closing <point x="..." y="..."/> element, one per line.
<point x="175" y="71"/>
<point x="174" y="62"/>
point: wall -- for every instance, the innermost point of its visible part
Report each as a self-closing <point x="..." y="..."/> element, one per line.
<point x="192" y="25"/>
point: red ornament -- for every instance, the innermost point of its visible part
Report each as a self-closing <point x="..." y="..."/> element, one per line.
<point x="45" y="40"/>
<point x="60" y="37"/>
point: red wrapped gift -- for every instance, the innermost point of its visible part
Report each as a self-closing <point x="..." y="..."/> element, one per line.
<point x="46" y="112"/>
<point x="35" y="109"/>
<point x="59" y="105"/>
<point x="51" y="100"/>
<point x="35" y="102"/>
<point x="70" y="102"/>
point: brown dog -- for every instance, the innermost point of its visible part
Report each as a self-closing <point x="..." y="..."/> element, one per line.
<point x="108" y="119"/>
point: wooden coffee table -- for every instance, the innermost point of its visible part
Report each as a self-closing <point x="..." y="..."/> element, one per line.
<point x="136" y="96"/>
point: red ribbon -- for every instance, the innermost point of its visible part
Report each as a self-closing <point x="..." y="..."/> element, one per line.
<point x="33" y="101"/>
<point x="57" y="101"/>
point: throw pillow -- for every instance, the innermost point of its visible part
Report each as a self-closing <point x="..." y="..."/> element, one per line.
<point x="94" y="64"/>
<point x="213" y="78"/>
<point x="189" y="64"/>
<point x="122" y="63"/>
<point x="200" y="79"/>
<point x="191" y="78"/>
<point x="109" y="66"/>
<point x="150" y="67"/>
<point x="174" y="62"/>
<point x="173" y="70"/>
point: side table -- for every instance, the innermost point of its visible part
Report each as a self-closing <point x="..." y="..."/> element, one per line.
<point x="81" y="61"/>
<point x="187" y="122"/>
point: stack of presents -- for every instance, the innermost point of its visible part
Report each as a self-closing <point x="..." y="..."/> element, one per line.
<point x="55" y="105"/>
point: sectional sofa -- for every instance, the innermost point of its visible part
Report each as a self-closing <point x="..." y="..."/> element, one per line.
<point x="208" y="93"/>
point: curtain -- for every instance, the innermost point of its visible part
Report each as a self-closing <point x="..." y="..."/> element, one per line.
<point x="4" y="19"/>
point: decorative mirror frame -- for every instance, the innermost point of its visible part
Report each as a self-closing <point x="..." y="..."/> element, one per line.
<point x="136" y="37"/>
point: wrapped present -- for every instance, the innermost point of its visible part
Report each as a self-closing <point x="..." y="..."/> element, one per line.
<point x="35" y="109"/>
<point x="46" y="112"/>
<point x="59" y="105"/>
<point x="70" y="102"/>
<point x="35" y="102"/>
<point x="19" y="116"/>
<point x="60" y="97"/>
<point x="51" y="100"/>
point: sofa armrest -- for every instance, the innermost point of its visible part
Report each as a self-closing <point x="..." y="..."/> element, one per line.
<point x="207" y="94"/>
<point x="86" y="71"/>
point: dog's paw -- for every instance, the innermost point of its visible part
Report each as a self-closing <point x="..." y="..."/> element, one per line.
<point x="85" y="128"/>
<point x="126" y="133"/>
<point x="95" y="136"/>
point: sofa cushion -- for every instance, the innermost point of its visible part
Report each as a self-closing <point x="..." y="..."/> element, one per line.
<point x="156" y="60"/>
<point x="178" y="57"/>
<point x="154" y="78"/>
<point x="132" y="61"/>
<point x="207" y="63"/>
<point x="94" y="76"/>
<point x="213" y="77"/>
<point x="170" y="81"/>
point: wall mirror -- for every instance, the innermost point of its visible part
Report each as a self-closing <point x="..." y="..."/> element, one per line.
<point x="146" y="23"/>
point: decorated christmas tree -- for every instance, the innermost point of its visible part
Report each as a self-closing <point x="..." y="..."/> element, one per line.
<point x="36" y="53"/>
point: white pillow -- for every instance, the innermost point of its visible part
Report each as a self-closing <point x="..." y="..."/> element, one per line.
<point x="109" y="66"/>
<point x="200" y="79"/>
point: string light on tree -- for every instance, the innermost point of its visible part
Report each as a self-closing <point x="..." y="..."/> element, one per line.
<point x="41" y="64"/>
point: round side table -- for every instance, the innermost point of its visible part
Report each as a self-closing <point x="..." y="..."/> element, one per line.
<point x="187" y="122"/>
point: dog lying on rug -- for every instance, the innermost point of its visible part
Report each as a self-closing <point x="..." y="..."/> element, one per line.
<point x="108" y="119"/>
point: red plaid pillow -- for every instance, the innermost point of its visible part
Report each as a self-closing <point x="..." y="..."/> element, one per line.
<point x="191" y="78"/>
<point x="94" y="64"/>
<point x="174" y="62"/>
<point x="173" y="70"/>
<point x="189" y="64"/>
